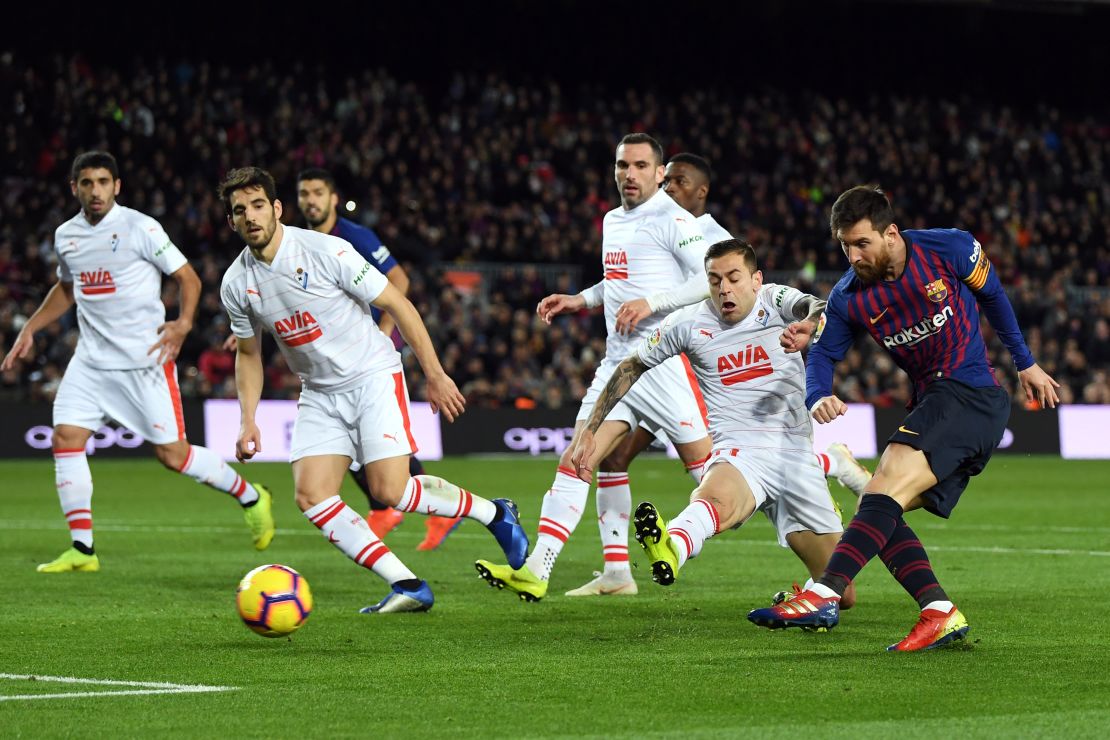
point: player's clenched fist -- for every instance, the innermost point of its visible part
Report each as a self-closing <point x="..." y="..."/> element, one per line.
<point x="249" y="443"/>
<point x="559" y="303"/>
<point x="827" y="409"/>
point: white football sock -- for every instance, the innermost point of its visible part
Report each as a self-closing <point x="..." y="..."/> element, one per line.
<point x="427" y="494"/>
<point x="940" y="606"/>
<point x="347" y="530"/>
<point x="205" y="466"/>
<point x="827" y="463"/>
<point x="690" y="529"/>
<point x="559" y="515"/>
<point x="73" y="479"/>
<point x="696" y="469"/>
<point x="614" y="504"/>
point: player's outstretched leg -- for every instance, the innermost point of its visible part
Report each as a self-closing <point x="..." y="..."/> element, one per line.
<point x="350" y="533"/>
<point x="436" y="528"/>
<point x="669" y="546"/>
<point x="428" y="494"/>
<point x="382" y="518"/>
<point x="205" y="466"/>
<point x="819" y="605"/>
<point x="847" y="470"/>
<point x="73" y="481"/>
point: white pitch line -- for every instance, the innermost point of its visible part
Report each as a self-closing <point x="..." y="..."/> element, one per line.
<point x="40" y="525"/>
<point x="143" y="687"/>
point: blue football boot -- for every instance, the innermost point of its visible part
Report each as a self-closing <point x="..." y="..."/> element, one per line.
<point x="510" y="535"/>
<point x="800" y="609"/>
<point x="403" y="600"/>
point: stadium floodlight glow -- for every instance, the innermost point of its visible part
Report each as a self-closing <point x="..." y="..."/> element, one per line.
<point x="350" y="206"/>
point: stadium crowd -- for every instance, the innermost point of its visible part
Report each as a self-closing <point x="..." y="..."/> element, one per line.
<point x="513" y="180"/>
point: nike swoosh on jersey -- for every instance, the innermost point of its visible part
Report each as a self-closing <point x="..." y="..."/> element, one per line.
<point x="907" y="431"/>
<point x="876" y="318"/>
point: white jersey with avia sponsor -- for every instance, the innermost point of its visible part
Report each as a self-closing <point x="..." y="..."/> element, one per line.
<point x="754" y="391"/>
<point x="314" y="298"/>
<point x="711" y="230"/>
<point x="116" y="268"/>
<point x="649" y="249"/>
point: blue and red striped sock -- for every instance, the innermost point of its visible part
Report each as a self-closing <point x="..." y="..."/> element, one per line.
<point x="865" y="537"/>
<point x="907" y="561"/>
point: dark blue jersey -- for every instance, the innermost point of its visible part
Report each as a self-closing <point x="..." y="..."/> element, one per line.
<point x="366" y="243"/>
<point x="927" y="318"/>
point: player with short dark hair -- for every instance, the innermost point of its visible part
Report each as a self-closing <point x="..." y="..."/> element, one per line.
<point x="111" y="260"/>
<point x="918" y="294"/>
<point x="313" y="293"/>
<point x="318" y="201"/>
<point x="754" y="388"/>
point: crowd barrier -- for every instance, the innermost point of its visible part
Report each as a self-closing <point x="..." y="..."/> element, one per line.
<point x="1072" y="432"/>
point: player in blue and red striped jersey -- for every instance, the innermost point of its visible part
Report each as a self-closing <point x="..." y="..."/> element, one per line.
<point x="918" y="293"/>
<point x="318" y="201"/>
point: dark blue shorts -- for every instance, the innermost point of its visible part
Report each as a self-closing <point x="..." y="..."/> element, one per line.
<point x="958" y="428"/>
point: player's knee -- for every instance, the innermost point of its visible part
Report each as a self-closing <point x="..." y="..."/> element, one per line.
<point x="172" y="456"/>
<point x="66" y="438"/>
<point x="617" y="462"/>
<point x="307" y="497"/>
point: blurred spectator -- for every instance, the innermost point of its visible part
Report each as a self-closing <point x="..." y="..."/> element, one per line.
<point x="489" y="170"/>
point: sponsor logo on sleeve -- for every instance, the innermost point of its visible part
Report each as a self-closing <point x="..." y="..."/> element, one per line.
<point x="820" y="328"/>
<point x="780" y="296"/>
<point x="361" y="275"/>
<point x="161" y="249"/>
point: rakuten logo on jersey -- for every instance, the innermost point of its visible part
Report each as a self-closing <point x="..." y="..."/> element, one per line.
<point x="97" y="282"/>
<point x="920" y="331"/>
<point x="616" y="265"/>
<point x="747" y="364"/>
<point x="300" y="328"/>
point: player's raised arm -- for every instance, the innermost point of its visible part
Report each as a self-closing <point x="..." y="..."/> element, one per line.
<point x="442" y="393"/>
<point x="57" y="301"/>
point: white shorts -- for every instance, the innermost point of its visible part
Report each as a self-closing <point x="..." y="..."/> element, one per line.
<point x="665" y="399"/>
<point x="789" y="488"/>
<point x="146" y="400"/>
<point x="367" y="423"/>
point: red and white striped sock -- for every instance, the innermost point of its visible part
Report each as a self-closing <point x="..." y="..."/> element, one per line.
<point x="347" y="530"/>
<point x="427" y="494"/>
<point x="827" y="463"/>
<point x="559" y="515"/>
<point x="690" y="529"/>
<point x="614" y="504"/>
<point x="73" y="480"/>
<point x="696" y="469"/>
<point x="205" y="466"/>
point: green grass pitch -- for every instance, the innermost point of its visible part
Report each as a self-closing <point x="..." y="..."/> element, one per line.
<point x="1026" y="556"/>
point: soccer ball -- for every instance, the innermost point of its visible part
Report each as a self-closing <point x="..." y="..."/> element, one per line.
<point x="273" y="600"/>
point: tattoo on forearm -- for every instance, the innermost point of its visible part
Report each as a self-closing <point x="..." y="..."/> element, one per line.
<point x="627" y="373"/>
